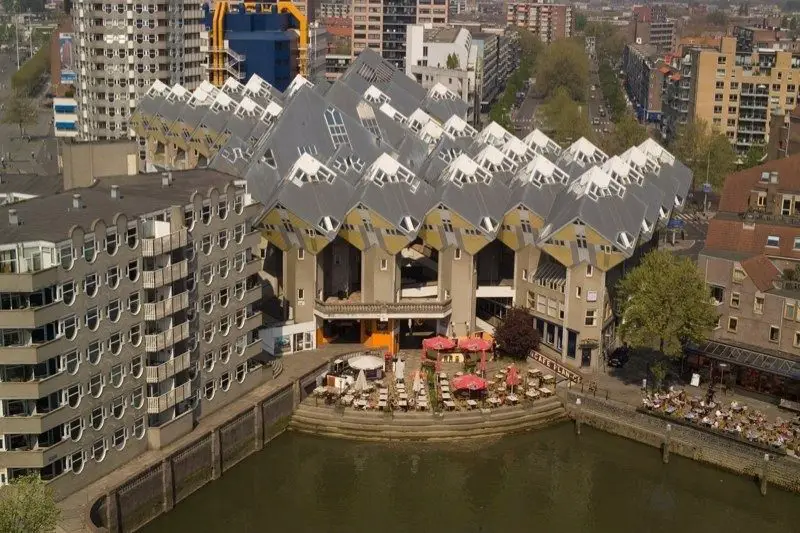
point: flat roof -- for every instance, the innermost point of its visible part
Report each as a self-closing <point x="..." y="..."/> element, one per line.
<point x="33" y="184"/>
<point x="441" y="35"/>
<point x="49" y="218"/>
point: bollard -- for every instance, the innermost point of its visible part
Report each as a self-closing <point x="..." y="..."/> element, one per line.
<point x="578" y="416"/>
<point x="665" y="448"/>
<point x="764" y="473"/>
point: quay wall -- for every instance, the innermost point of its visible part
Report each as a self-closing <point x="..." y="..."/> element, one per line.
<point x="704" y="446"/>
<point x="156" y="489"/>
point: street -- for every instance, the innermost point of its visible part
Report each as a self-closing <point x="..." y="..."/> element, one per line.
<point x="37" y="156"/>
<point x="598" y="124"/>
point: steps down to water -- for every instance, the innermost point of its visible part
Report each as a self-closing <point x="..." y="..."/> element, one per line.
<point x="377" y="426"/>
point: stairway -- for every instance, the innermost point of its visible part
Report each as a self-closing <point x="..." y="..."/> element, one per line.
<point x="378" y="426"/>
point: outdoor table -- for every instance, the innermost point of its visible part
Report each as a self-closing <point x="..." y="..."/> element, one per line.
<point x="422" y="405"/>
<point x="382" y="404"/>
<point x="549" y="378"/>
<point x="532" y="394"/>
<point x="384" y="390"/>
<point x="533" y="372"/>
<point x="503" y="371"/>
<point x="472" y="404"/>
<point x="361" y="403"/>
<point x="450" y="405"/>
<point x="546" y="392"/>
<point x="459" y="374"/>
<point x="498" y="376"/>
<point x="347" y="400"/>
<point x="383" y="397"/>
<point x="319" y="391"/>
<point x="494" y="401"/>
<point x="442" y="375"/>
<point x="512" y="398"/>
<point x="445" y="396"/>
<point x="445" y="388"/>
<point x="403" y="404"/>
<point x="403" y="396"/>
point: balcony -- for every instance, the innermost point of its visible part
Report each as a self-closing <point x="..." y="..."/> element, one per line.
<point x="159" y="404"/>
<point x="33" y="389"/>
<point x="166" y="370"/>
<point x="162" y="245"/>
<point x="33" y="353"/>
<point x="36" y="423"/>
<point x="35" y="457"/>
<point x="164" y="308"/>
<point x="153" y="279"/>
<point x="382" y="310"/>
<point x="752" y="216"/>
<point x="27" y="281"/>
<point x="161" y="341"/>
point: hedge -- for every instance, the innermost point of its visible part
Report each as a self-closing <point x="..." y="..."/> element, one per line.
<point x="29" y="76"/>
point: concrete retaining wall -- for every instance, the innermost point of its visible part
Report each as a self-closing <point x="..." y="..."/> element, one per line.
<point x="716" y="450"/>
<point x="157" y="489"/>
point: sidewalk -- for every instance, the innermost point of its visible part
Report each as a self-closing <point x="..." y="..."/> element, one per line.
<point x="74" y="508"/>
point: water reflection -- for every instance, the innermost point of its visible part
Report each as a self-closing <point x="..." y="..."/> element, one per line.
<point x="549" y="481"/>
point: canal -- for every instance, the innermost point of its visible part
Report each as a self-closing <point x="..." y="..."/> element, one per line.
<point x="547" y="481"/>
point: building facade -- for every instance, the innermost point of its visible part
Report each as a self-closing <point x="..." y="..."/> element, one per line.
<point x="644" y="80"/>
<point x="120" y="48"/>
<point x="438" y="227"/>
<point x="128" y="311"/>
<point x="381" y="25"/>
<point x="650" y="26"/>
<point x="735" y="89"/>
<point x="750" y="264"/>
<point x="333" y="10"/>
<point x="446" y="56"/>
<point x="548" y="21"/>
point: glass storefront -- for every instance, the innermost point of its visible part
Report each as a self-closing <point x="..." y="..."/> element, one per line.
<point x="745" y="378"/>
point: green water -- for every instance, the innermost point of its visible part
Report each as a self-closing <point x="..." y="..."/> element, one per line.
<point x="545" y="481"/>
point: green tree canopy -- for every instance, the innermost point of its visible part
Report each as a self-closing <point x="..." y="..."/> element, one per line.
<point x="627" y="132"/>
<point x="566" y="120"/>
<point x="754" y="156"/>
<point x="664" y="303"/>
<point x="717" y="18"/>
<point x="609" y="41"/>
<point x="452" y="61"/>
<point x="563" y="64"/>
<point x="20" y="111"/>
<point x="515" y="335"/>
<point x="27" y="505"/>
<point x="707" y="153"/>
<point x="580" y="21"/>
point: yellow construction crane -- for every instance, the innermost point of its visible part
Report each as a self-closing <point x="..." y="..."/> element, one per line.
<point x="218" y="33"/>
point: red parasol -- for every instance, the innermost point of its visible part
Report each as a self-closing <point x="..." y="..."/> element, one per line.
<point x="474" y="344"/>
<point x="512" y="378"/>
<point x="469" y="381"/>
<point x="438" y="343"/>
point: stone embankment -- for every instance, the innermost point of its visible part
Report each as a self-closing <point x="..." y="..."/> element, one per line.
<point x="694" y="443"/>
<point x="378" y="426"/>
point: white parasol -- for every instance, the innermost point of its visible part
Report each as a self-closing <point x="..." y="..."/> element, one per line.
<point x="361" y="382"/>
<point x="417" y="383"/>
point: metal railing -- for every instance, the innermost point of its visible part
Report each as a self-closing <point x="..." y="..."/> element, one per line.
<point x="158" y="310"/>
<point x="160" y="341"/>
<point x="167" y="243"/>
<point x="168" y="369"/>
<point x="770" y="217"/>
<point x="379" y="308"/>
<point x="159" y="404"/>
<point x="153" y="279"/>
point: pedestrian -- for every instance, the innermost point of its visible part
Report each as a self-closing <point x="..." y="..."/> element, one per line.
<point x="33" y="156"/>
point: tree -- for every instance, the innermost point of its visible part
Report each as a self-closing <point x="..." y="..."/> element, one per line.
<point x="717" y="18"/>
<point x="20" y="111"/>
<point x="707" y="153"/>
<point x="566" y="120"/>
<point x="28" y="505"/>
<point x="609" y="41"/>
<point x="515" y="335"/>
<point x="754" y="156"/>
<point x="563" y="64"/>
<point x="627" y="132"/>
<point x="580" y="22"/>
<point x="665" y="303"/>
<point x="452" y="61"/>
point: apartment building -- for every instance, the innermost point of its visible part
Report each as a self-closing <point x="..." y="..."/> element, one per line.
<point x="128" y="311"/>
<point x="650" y="26"/>
<point x="386" y="211"/>
<point x="750" y="263"/>
<point x="381" y="24"/>
<point x="645" y="73"/>
<point x="446" y="56"/>
<point x="327" y="10"/>
<point x="548" y="21"/>
<point x="120" y="48"/>
<point x="734" y="88"/>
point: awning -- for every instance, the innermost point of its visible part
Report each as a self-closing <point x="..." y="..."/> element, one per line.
<point x="749" y="358"/>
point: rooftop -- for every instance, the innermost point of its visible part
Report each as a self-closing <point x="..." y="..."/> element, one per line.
<point x="441" y="35"/>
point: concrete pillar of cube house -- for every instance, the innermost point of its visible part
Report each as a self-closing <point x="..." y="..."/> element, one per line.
<point x="167" y="485"/>
<point x="578" y="416"/>
<point x="112" y="512"/>
<point x="665" y="446"/>
<point x="764" y="475"/>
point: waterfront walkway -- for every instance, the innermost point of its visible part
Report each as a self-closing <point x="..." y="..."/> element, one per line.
<point x="74" y="508"/>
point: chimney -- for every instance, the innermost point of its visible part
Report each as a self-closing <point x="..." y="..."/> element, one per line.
<point x="773" y="176"/>
<point x="115" y="192"/>
<point x="76" y="201"/>
<point x="13" y="219"/>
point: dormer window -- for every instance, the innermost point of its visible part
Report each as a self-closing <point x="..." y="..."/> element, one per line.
<point x="646" y="227"/>
<point x="678" y="200"/>
<point x="409" y="224"/>
<point x="269" y="159"/>
<point x="488" y="225"/>
<point x="662" y="213"/>
<point x="328" y="224"/>
<point x="625" y="239"/>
